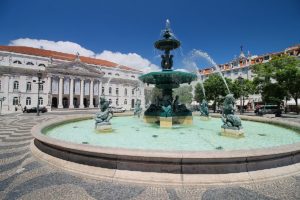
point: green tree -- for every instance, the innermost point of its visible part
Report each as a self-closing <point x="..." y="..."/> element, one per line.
<point x="215" y="89"/>
<point x="199" y="96"/>
<point x="278" y="78"/>
<point x="185" y="94"/>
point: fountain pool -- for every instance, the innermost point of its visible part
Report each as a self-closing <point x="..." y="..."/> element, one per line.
<point x="132" y="133"/>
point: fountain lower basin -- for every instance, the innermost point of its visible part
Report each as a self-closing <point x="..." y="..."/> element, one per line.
<point x="167" y="158"/>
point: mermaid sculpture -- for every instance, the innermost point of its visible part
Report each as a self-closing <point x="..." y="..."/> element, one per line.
<point x="204" y="109"/>
<point x="103" y="117"/>
<point x="232" y="124"/>
<point x="137" y="108"/>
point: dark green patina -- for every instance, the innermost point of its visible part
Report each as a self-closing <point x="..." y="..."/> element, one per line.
<point x="167" y="79"/>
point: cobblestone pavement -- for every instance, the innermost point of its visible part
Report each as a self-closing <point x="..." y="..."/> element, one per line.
<point x="24" y="177"/>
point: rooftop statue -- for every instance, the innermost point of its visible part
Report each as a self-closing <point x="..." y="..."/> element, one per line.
<point x="103" y="117"/>
<point x="204" y="108"/>
<point x="230" y="120"/>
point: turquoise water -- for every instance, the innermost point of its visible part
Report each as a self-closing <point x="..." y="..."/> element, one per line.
<point x="133" y="133"/>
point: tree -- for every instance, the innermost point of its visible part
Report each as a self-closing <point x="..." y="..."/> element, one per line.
<point x="185" y="94"/>
<point x="199" y="96"/>
<point x="278" y="78"/>
<point x="215" y="89"/>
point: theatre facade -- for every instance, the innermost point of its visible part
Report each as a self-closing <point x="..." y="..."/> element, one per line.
<point x="70" y="81"/>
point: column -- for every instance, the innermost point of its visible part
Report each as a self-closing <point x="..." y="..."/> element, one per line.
<point x="49" y="84"/>
<point x="91" y="93"/>
<point x="60" y="92"/>
<point x="99" y="91"/>
<point x="71" y="92"/>
<point x="81" y="93"/>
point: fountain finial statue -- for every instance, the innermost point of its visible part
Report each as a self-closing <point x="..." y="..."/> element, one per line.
<point x="103" y="117"/>
<point x="168" y="24"/>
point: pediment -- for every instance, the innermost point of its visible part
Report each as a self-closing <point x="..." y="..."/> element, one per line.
<point x="75" y="68"/>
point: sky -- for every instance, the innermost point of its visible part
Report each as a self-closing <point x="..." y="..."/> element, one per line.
<point x="124" y="31"/>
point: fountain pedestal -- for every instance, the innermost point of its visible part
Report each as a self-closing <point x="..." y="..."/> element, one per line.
<point x="237" y="133"/>
<point x="168" y="111"/>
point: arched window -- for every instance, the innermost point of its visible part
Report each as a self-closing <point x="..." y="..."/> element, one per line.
<point x="16" y="85"/>
<point x="117" y="102"/>
<point x="15" y="101"/>
<point x="29" y="63"/>
<point x="42" y="65"/>
<point x="125" y="92"/>
<point x="102" y="90"/>
<point x="28" y="101"/>
<point x="125" y="102"/>
<point x="28" y="86"/>
<point x="109" y="90"/>
<point x="17" y="62"/>
<point x="117" y="91"/>
<point x="132" y="76"/>
<point x="41" y="101"/>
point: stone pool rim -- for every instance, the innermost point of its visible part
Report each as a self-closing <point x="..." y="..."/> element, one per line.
<point x="179" y="162"/>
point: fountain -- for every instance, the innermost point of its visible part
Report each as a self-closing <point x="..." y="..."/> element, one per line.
<point x="163" y="112"/>
<point x="199" y="148"/>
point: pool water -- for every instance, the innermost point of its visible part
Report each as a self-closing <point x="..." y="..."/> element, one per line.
<point x="133" y="133"/>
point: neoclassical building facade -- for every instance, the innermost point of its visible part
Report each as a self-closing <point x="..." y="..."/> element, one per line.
<point x="70" y="81"/>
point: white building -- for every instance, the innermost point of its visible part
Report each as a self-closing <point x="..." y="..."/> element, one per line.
<point x="241" y="66"/>
<point x="71" y="81"/>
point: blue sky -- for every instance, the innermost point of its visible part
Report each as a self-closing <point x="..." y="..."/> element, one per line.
<point x="132" y="26"/>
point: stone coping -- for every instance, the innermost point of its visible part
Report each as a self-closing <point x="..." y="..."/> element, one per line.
<point x="178" y="162"/>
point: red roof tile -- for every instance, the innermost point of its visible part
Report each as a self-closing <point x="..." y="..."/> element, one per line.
<point x="61" y="56"/>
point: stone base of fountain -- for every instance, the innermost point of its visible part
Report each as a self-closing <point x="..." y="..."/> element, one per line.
<point x="168" y="122"/>
<point x="204" y="118"/>
<point x="237" y="133"/>
<point x="106" y="127"/>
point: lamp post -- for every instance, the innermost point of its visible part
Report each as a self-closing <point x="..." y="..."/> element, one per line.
<point x="241" y="80"/>
<point x="39" y="83"/>
<point x="1" y="100"/>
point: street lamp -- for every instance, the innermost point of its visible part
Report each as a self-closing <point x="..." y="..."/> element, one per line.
<point x="1" y="100"/>
<point x="241" y="80"/>
<point x="39" y="83"/>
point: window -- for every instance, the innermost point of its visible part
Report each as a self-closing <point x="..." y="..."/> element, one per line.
<point x="117" y="91"/>
<point x="15" y="101"/>
<point x="28" y="86"/>
<point x="102" y="90"/>
<point x="28" y="101"/>
<point x="109" y="73"/>
<point x="132" y="91"/>
<point x="117" y="74"/>
<point x="125" y="92"/>
<point x="109" y="90"/>
<point x="117" y="102"/>
<point x="42" y="65"/>
<point x="125" y="102"/>
<point x="17" y="62"/>
<point x="41" y="87"/>
<point x="0" y="86"/>
<point x="41" y="101"/>
<point x="110" y="101"/>
<point x="132" y="76"/>
<point x="16" y="85"/>
<point x="29" y="63"/>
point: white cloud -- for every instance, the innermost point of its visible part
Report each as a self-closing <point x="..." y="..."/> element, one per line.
<point x="61" y="46"/>
<point x="131" y="59"/>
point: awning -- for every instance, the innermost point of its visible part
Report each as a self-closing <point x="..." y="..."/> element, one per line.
<point x="292" y="102"/>
<point x="195" y="103"/>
